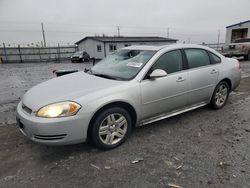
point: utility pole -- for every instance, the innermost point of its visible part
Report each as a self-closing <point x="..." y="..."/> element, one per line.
<point x="44" y="40"/>
<point x="118" y="30"/>
<point x="168" y="32"/>
<point x="218" y="40"/>
<point x="5" y="52"/>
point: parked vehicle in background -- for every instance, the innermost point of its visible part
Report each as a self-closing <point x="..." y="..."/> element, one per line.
<point x="80" y="56"/>
<point x="238" y="48"/>
<point x="133" y="86"/>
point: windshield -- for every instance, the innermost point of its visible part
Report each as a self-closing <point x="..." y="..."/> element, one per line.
<point x="122" y="64"/>
<point x="78" y="53"/>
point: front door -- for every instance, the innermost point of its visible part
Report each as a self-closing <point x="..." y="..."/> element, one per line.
<point x="168" y="93"/>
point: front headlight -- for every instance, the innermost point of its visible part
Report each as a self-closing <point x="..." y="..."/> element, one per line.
<point x="61" y="109"/>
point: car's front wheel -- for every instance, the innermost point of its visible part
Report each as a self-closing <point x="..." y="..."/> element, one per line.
<point x="110" y="128"/>
<point x="220" y="95"/>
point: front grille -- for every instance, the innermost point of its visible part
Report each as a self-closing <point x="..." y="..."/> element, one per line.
<point x="231" y="47"/>
<point x="26" y="109"/>
<point x="50" y="137"/>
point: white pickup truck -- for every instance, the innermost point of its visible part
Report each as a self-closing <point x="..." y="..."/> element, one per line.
<point x="238" y="48"/>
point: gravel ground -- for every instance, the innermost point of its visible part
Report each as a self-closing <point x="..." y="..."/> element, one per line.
<point x="201" y="148"/>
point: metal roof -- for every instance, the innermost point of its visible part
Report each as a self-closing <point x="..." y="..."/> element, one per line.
<point x="240" y="23"/>
<point x="128" y="39"/>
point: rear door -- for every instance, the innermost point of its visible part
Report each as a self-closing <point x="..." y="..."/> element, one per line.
<point x="165" y="94"/>
<point x="202" y="76"/>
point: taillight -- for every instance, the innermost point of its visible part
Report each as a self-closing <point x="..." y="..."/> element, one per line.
<point x="243" y="47"/>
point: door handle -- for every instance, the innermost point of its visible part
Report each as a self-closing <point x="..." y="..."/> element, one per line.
<point x="180" y="79"/>
<point x="214" y="71"/>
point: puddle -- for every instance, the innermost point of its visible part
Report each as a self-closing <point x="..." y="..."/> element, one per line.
<point x="245" y="75"/>
<point x="237" y="93"/>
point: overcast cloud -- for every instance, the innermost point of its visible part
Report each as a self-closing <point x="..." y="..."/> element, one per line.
<point x="67" y="21"/>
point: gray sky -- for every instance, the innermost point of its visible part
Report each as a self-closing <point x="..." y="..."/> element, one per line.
<point x="67" y="21"/>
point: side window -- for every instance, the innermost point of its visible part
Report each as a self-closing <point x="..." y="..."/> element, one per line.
<point x="197" y="58"/>
<point x="215" y="59"/>
<point x="112" y="47"/>
<point x="99" y="48"/>
<point x="170" y="62"/>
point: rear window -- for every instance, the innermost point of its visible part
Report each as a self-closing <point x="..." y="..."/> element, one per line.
<point x="197" y="58"/>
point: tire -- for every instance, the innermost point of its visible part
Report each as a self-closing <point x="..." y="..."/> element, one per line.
<point x="220" y="95"/>
<point x="110" y="128"/>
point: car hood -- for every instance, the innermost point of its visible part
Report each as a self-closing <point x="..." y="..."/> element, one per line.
<point x="64" y="88"/>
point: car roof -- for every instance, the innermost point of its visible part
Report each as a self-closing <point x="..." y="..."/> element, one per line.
<point x="167" y="47"/>
<point x="144" y="47"/>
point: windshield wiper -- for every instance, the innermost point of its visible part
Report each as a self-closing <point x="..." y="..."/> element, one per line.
<point x="105" y="76"/>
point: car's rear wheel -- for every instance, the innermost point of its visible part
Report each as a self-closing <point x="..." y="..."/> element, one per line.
<point x="220" y="95"/>
<point x="110" y="128"/>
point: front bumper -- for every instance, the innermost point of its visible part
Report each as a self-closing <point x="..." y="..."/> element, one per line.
<point x="53" y="131"/>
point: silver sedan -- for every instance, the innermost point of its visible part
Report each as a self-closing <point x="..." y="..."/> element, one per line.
<point x="133" y="86"/>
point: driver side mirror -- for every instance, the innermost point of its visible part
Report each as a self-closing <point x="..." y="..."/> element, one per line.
<point x="158" y="73"/>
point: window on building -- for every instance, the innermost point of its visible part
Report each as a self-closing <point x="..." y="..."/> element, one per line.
<point x="99" y="48"/>
<point x="239" y="34"/>
<point x="126" y="45"/>
<point x="197" y="58"/>
<point x="112" y="47"/>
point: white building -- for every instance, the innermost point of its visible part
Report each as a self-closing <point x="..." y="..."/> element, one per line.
<point x="100" y="47"/>
<point x="238" y="31"/>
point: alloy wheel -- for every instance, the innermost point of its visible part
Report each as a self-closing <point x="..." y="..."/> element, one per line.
<point x="221" y="95"/>
<point x="113" y="129"/>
